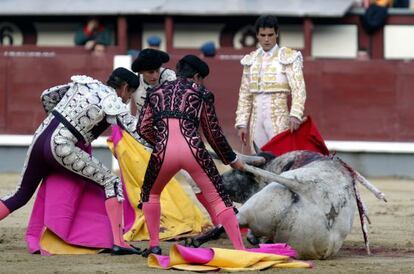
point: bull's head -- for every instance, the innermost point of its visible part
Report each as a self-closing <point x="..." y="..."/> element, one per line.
<point x="241" y="185"/>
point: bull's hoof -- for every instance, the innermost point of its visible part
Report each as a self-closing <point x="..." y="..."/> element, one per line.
<point x="152" y="250"/>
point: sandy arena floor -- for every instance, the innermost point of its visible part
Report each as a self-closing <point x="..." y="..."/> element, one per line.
<point x="391" y="237"/>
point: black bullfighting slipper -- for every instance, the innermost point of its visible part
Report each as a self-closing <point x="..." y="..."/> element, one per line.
<point x="119" y="250"/>
<point x="152" y="250"/>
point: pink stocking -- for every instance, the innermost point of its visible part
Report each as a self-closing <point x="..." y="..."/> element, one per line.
<point x="114" y="211"/>
<point x="152" y="213"/>
<point x="207" y="206"/>
<point x="4" y="211"/>
<point x="228" y="219"/>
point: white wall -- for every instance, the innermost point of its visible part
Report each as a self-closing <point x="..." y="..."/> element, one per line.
<point x="195" y="35"/>
<point x="292" y="36"/>
<point x="335" y="41"/>
<point x="56" y="34"/>
<point x="398" y="42"/>
<point x="185" y="35"/>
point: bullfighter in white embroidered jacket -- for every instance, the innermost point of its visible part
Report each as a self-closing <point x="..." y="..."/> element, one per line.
<point x="270" y="75"/>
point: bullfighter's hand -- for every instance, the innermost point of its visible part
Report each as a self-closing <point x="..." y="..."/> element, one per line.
<point x="242" y="132"/>
<point x="294" y="123"/>
<point x="239" y="165"/>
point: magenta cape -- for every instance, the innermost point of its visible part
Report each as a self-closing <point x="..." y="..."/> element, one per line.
<point x="74" y="210"/>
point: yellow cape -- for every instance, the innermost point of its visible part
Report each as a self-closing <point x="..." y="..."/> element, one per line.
<point x="226" y="260"/>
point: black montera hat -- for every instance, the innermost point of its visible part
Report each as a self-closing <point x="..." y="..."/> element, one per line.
<point x="150" y="59"/>
<point x="128" y="76"/>
<point x="196" y="63"/>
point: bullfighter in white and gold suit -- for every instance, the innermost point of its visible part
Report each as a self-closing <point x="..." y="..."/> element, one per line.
<point x="270" y="74"/>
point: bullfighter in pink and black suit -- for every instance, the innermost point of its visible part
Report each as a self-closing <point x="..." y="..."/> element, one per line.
<point x="169" y="121"/>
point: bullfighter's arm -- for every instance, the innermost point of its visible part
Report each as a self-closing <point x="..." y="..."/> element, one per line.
<point x="244" y="104"/>
<point x="294" y="74"/>
<point x="145" y="125"/>
<point x="213" y="132"/>
<point x="52" y="96"/>
<point x="118" y="113"/>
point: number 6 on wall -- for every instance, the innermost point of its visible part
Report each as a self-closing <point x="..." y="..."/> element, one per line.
<point x="10" y="34"/>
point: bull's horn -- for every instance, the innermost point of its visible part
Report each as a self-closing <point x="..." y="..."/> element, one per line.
<point x="252" y="159"/>
<point x="256" y="148"/>
<point x="272" y="177"/>
<point x="248" y="159"/>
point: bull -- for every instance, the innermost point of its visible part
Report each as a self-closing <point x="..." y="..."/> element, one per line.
<point x="302" y="198"/>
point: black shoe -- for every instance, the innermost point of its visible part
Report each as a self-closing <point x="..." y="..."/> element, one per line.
<point x="119" y="250"/>
<point x="152" y="250"/>
<point x="216" y="232"/>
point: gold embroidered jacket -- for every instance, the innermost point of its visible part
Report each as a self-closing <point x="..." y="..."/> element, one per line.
<point x="281" y="74"/>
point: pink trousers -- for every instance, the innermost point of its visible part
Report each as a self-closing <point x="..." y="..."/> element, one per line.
<point x="178" y="155"/>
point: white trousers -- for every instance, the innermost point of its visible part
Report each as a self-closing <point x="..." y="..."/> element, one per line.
<point x="263" y="130"/>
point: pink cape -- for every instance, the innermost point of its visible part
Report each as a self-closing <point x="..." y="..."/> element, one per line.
<point x="74" y="210"/>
